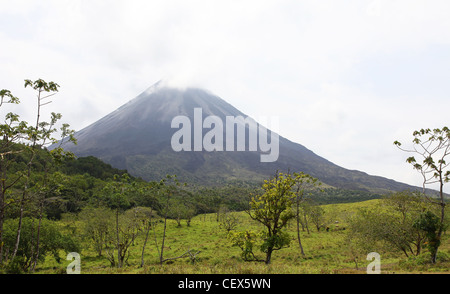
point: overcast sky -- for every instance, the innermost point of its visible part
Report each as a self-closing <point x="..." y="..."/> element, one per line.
<point x="346" y="78"/>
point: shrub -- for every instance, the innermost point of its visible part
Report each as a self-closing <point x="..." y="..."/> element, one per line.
<point x="51" y="241"/>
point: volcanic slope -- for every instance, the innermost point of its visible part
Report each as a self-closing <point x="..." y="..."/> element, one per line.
<point x="137" y="137"/>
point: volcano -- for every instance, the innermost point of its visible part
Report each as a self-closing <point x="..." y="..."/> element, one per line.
<point x="138" y="137"/>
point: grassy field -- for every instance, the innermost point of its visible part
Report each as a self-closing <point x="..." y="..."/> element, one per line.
<point x="326" y="251"/>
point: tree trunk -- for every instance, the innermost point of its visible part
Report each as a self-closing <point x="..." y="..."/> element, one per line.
<point x="306" y="222"/>
<point x="298" y="227"/>
<point x="37" y="239"/>
<point x="161" y="259"/>
<point x="442" y="219"/>
<point x="2" y="204"/>
<point x="29" y="166"/>
<point x="2" y="213"/>
<point x="19" y="227"/>
<point x="119" y="265"/>
<point x="268" y="255"/>
<point x="145" y="243"/>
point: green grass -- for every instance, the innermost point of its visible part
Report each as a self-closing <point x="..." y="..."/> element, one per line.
<point x="326" y="252"/>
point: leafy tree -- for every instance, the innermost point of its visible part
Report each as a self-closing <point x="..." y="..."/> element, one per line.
<point x="11" y="132"/>
<point x="391" y="226"/>
<point x="273" y="210"/>
<point x="316" y="214"/>
<point x="117" y="195"/>
<point x="97" y="226"/>
<point x="432" y="148"/>
<point x="21" y="140"/>
<point x="429" y="223"/>
<point x="180" y="208"/>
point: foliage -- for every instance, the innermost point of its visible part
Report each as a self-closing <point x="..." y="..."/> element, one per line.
<point x="392" y="225"/>
<point x="20" y="138"/>
<point x="273" y="210"/>
<point x="97" y="229"/>
<point x="338" y="195"/>
<point x="92" y="166"/>
<point x="327" y="253"/>
<point x="51" y="241"/>
<point x="128" y="227"/>
<point x="229" y="220"/>
<point x="246" y="241"/>
<point x="433" y="148"/>
<point x="316" y="215"/>
<point x="429" y="223"/>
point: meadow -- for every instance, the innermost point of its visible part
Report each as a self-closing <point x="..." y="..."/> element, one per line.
<point x="326" y="251"/>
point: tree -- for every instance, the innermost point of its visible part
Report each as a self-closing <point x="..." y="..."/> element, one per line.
<point x="117" y="195"/>
<point x="179" y="209"/>
<point x="97" y="226"/>
<point x="316" y="215"/>
<point x="168" y="188"/>
<point x="146" y="216"/>
<point x="45" y="191"/>
<point x="429" y="223"/>
<point x="246" y="241"/>
<point x="432" y="148"/>
<point x="130" y="226"/>
<point x="391" y="225"/>
<point x="229" y="221"/>
<point x="19" y="138"/>
<point x="303" y="183"/>
<point x="12" y="132"/>
<point x="273" y="210"/>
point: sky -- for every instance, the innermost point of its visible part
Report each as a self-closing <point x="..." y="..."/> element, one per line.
<point x="345" y="78"/>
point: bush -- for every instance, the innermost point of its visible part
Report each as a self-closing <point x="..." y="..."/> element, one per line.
<point x="51" y="241"/>
<point x="429" y="223"/>
<point x="246" y="240"/>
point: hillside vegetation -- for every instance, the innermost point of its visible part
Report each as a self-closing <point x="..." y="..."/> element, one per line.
<point x="325" y="251"/>
<point x="81" y="216"/>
